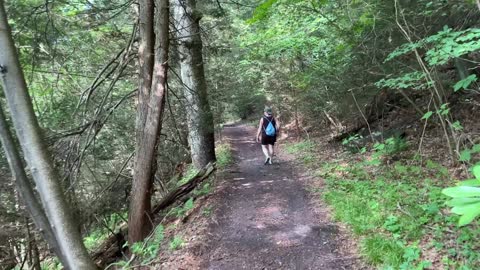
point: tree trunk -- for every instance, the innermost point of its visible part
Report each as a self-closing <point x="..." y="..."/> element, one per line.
<point x="23" y="186"/>
<point x="75" y="255"/>
<point x="199" y="116"/>
<point x="151" y="103"/>
<point x="36" y="263"/>
<point x="33" y="252"/>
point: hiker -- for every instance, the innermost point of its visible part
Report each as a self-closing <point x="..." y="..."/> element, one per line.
<point x="267" y="134"/>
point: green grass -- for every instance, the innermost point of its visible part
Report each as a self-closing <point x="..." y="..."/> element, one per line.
<point x="380" y="250"/>
<point x="300" y="147"/>
<point x="392" y="208"/>
<point x="224" y="155"/>
<point x="305" y="150"/>
<point x="177" y="242"/>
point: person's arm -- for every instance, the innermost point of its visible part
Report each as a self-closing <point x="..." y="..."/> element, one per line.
<point x="277" y="125"/>
<point x="259" y="130"/>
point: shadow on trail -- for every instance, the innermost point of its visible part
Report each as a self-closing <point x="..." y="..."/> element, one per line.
<point x="265" y="219"/>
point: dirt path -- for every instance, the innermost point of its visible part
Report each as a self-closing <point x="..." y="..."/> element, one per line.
<point x="266" y="219"/>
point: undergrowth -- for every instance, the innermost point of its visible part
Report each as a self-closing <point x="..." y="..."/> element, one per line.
<point x="304" y="150"/>
<point x="97" y="236"/>
<point x="190" y="173"/>
<point x="177" y="242"/>
<point x="397" y="211"/>
<point x="224" y="155"/>
<point x="144" y="251"/>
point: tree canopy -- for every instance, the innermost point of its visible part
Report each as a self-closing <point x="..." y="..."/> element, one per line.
<point x="360" y="71"/>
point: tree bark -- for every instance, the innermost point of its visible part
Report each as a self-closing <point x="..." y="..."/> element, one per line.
<point x="41" y="166"/>
<point x="33" y="252"/>
<point x="199" y="116"/>
<point x="23" y="186"/>
<point x="151" y="104"/>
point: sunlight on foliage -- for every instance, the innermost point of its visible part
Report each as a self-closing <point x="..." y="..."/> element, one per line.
<point x="445" y="45"/>
<point x="392" y="208"/>
<point x="465" y="198"/>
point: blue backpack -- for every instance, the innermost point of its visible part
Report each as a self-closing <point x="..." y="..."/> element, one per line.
<point x="270" y="130"/>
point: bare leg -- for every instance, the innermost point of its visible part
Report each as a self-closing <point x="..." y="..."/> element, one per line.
<point x="271" y="150"/>
<point x="265" y="151"/>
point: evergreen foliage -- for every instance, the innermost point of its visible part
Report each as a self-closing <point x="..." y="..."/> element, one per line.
<point x="322" y="64"/>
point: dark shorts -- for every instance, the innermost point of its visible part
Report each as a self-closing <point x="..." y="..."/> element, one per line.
<point x="266" y="140"/>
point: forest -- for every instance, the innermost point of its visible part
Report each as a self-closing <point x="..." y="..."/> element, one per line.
<point x="128" y="134"/>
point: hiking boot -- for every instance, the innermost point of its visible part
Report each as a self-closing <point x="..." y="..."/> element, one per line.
<point x="268" y="161"/>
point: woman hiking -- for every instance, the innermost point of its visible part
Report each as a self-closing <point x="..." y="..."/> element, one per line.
<point x="267" y="133"/>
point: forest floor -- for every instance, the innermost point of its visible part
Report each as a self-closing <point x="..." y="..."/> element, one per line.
<point x="263" y="217"/>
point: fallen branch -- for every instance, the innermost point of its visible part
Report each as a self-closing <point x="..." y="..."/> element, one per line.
<point x="184" y="189"/>
<point x="112" y="248"/>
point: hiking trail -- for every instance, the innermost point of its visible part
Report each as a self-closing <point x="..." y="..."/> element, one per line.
<point x="265" y="218"/>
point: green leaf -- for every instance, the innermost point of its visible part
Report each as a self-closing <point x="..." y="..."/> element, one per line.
<point x="465" y="209"/>
<point x="462" y="201"/>
<point x="476" y="171"/>
<point x="427" y="115"/>
<point x="463" y="84"/>
<point x="465" y="155"/>
<point x="476" y="148"/>
<point x="457" y="126"/>
<point x="468" y="217"/>
<point x="461" y="191"/>
<point x="262" y="11"/>
<point x="379" y="146"/>
<point x="470" y="183"/>
<point x="445" y="111"/>
<point x="468" y="212"/>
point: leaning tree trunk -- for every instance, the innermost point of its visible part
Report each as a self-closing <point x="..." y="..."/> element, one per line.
<point x="24" y="188"/>
<point x="199" y="116"/>
<point x="40" y="163"/>
<point x="151" y="103"/>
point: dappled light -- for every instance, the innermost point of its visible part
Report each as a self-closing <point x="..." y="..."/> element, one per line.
<point x="240" y="134"/>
